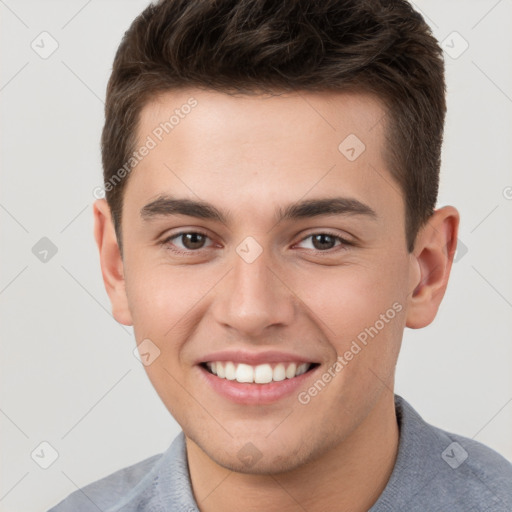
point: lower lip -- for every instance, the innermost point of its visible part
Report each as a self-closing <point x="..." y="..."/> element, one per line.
<point x="255" y="394"/>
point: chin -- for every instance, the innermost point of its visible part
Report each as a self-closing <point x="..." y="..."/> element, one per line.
<point x="264" y="466"/>
<point x="272" y="459"/>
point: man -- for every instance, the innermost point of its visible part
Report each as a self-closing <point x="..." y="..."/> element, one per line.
<point x="269" y="230"/>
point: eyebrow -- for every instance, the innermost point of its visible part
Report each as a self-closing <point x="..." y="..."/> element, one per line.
<point x="168" y="205"/>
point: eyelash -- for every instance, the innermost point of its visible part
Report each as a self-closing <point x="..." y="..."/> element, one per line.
<point x="167" y="241"/>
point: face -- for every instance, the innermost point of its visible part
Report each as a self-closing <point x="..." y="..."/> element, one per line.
<point x="264" y="239"/>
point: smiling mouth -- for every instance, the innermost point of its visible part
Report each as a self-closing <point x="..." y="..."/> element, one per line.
<point x="257" y="374"/>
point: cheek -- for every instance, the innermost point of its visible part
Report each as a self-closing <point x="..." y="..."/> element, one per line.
<point x="161" y="301"/>
<point x="159" y="296"/>
<point x="346" y="300"/>
<point x="151" y="303"/>
<point x="167" y="304"/>
<point x="361" y="311"/>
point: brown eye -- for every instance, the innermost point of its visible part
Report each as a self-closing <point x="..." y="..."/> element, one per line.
<point x="323" y="241"/>
<point x="192" y="240"/>
<point x="187" y="241"/>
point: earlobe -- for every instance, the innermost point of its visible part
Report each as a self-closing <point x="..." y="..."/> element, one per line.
<point x="111" y="262"/>
<point x="432" y="259"/>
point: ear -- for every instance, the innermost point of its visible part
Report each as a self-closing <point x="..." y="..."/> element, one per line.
<point x="111" y="262"/>
<point x="432" y="260"/>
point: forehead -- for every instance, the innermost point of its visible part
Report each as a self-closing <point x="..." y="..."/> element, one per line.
<point x="259" y="117"/>
<point x="239" y="149"/>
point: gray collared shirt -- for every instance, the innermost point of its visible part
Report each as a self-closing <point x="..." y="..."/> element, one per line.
<point x="435" y="471"/>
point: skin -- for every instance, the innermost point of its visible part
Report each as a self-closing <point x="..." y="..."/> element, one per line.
<point x="248" y="156"/>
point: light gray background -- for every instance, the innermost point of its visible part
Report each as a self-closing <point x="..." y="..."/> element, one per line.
<point x="68" y="375"/>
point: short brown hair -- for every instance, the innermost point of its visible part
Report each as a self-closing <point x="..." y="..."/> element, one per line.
<point x="383" y="47"/>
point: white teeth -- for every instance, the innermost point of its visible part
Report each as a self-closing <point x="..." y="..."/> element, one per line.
<point x="230" y="370"/>
<point x="279" y="372"/>
<point x="290" y="371"/>
<point x="244" y="373"/>
<point x="263" y="374"/>
<point x="259" y="374"/>
<point x="303" y="368"/>
<point x="221" y="370"/>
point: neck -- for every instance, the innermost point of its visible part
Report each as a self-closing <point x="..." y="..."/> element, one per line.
<point x="348" y="477"/>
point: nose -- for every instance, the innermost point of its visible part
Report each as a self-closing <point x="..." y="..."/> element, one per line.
<point x="253" y="298"/>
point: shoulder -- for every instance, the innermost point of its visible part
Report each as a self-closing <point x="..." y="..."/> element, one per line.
<point x="134" y="487"/>
<point x="475" y="473"/>
<point x="108" y="491"/>
<point x="438" y="470"/>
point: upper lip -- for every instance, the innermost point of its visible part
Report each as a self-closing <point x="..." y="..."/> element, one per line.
<point x="255" y="358"/>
